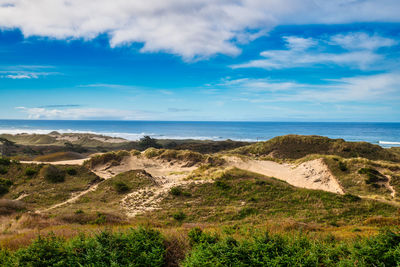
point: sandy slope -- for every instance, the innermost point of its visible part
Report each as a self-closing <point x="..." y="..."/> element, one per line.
<point x="312" y="174"/>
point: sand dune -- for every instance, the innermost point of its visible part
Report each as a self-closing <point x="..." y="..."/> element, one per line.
<point x="312" y="174"/>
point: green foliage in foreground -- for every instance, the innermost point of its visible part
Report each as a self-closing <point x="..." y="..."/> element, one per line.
<point x="146" y="247"/>
<point x="132" y="248"/>
<point x="277" y="250"/>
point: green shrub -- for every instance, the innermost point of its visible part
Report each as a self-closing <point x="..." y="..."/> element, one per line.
<point x="5" y="161"/>
<point x="176" y="191"/>
<point x="243" y="213"/>
<point x="342" y="166"/>
<point x="44" y="251"/>
<point x="140" y="247"/>
<point x="278" y="250"/>
<point x="179" y="216"/>
<point x="222" y="185"/>
<point x="71" y="171"/>
<point x="135" y="247"/>
<point x="100" y="219"/>
<point x="6" y="258"/>
<point x="197" y="236"/>
<point x="373" y="175"/>
<point x="52" y="174"/>
<point x="351" y="197"/>
<point x="3" y="170"/>
<point x="5" y="185"/>
<point x="79" y="211"/>
<point x="121" y="187"/>
<point x="30" y="171"/>
<point x="147" y="142"/>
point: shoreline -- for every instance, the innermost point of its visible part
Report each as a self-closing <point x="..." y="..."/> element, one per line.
<point x="134" y="137"/>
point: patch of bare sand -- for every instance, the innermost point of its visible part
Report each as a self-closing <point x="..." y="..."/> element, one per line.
<point x="165" y="175"/>
<point x="312" y="174"/>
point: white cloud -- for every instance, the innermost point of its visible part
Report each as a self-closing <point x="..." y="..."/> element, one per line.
<point x="83" y="113"/>
<point x="191" y="29"/>
<point x="384" y="86"/>
<point x="24" y="72"/>
<point x="360" y="88"/>
<point x="258" y="85"/>
<point x="21" y="76"/>
<point x="303" y="52"/>
<point x="361" y="40"/>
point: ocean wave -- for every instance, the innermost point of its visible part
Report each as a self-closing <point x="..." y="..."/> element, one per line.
<point x="388" y="143"/>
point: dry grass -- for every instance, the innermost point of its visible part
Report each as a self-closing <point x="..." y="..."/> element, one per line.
<point x="190" y="158"/>
<point x="105" y="158"/>
<point x="8" y="206"/>
<point x="58" y="156"/>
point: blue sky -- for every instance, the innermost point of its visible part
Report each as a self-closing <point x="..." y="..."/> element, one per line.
<point x="249" y="60"/>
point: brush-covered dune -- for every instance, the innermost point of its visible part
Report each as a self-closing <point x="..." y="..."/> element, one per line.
<point x="298" y="146"/>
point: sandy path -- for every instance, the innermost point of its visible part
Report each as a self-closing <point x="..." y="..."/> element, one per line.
<point x="312" y="174"/>
<point x="165" y="174"/>
<point x="390" y="187"/>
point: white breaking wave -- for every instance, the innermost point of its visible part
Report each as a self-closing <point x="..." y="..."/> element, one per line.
<point x="388" y="143"/>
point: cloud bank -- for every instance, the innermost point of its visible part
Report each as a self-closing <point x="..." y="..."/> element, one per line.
<point x="191" y="29"/>
<point x="76" y="113"/>
<point x="359" y="52"/>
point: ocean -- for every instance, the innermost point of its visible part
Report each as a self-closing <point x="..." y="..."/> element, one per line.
<point x="384" y="134"/>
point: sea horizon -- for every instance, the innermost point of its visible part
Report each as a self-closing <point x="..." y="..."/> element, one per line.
<point x="386" y="134"/>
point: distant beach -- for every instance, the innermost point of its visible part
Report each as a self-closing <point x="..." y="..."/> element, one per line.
<point x="384" y="134"/>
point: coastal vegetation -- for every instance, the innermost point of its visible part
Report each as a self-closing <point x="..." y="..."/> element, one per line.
<point x="169" y="206"/>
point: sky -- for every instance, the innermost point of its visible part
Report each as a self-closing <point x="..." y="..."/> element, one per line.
<point x="200" y="60"/>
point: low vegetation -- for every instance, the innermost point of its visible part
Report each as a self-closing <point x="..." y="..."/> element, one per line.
<point x="277" y="250"/>
<point x="189" y="157"/>
<point x="113" y="158"/>
<point x="215" y="216"/>
<point x="135" y="247"/>
<point x="52" y="174"/>
<point x="59" y="156"/>
<point x="44" y="185"/>
<point x="148" y="247"/>
<point x="298" y="146"/>
<point x="106" y="198"/>
<point x="241" y="196"/>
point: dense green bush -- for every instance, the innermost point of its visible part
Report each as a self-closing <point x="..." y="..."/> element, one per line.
<point x="5" y="161"/>
<point x="135" y="247"/>
<point x="52" y="174"/>
<point x="30" y="171"/>
<point x="4" y="186"/>
<point x="3" y="170"/>
<point x="178" y="191"/>
<point x="179" y="216"/>
<point x="278" y="250"/>
<point x="44" y="251"/>
<point x="71" y="171"/>
<point x="147" y="142"/>
<point x="145" y="247"/>
<point x="342" y="166"/>
<point x="121" y="187"/>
